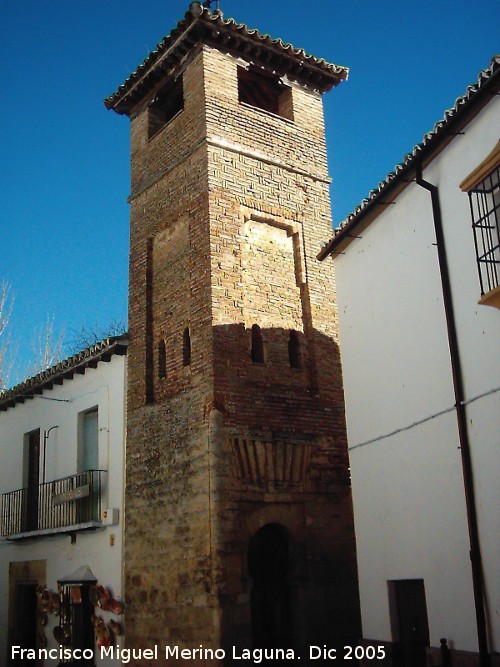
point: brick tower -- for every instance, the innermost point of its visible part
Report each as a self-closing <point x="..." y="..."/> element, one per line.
<point x="238" y="517"/>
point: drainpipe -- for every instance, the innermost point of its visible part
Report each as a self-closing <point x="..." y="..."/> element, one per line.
<point x="475" y="550"/>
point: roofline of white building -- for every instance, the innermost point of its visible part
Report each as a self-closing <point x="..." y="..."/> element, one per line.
<point x="101" y="351"/>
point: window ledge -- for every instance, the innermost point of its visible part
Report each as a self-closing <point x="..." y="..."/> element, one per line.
<point x="278" y="116"/>
<point x="481" y="171"/>
<point x="491" y="298"/>
<point x="163" y="127"/>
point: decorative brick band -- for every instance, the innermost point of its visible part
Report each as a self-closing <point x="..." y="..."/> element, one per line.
<point x="275" y="462"/>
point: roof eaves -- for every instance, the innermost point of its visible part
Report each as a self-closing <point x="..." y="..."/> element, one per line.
<point x="395" y="181"/>
<point x="64" y="370"/>
<point x="324" y="75"/>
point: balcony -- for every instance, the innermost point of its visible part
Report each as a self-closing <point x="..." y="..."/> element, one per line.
<point x="62" y="506"/>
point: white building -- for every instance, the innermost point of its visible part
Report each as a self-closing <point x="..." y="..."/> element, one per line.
<point x="417" y="273"/>
<point x="61" y="486"/>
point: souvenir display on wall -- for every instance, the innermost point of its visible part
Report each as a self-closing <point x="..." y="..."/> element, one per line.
<point x="71" y="596"/>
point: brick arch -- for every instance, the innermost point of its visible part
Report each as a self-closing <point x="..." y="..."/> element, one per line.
<point x="288" y="515"/>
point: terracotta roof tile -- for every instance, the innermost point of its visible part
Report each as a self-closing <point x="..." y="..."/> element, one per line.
<point x="63" y="370"/>
<point x="212" y="27"/>
<point x="428" y="144"/>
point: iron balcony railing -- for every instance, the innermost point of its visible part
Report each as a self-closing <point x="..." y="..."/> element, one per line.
<point x="52" y="506"/>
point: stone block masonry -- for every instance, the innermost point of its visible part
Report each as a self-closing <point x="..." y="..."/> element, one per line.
<point x="238" y="518"/>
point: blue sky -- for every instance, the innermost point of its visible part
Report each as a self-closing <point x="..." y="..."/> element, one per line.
<point x="64" y="159"/>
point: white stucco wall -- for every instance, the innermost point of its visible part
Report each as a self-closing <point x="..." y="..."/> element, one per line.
<point x="104" y="387"/>
<point x="408" y="492"/>
<point x="478" y="329"/>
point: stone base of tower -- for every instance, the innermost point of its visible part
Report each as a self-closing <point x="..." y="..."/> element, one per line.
<point x="266" y="559"/>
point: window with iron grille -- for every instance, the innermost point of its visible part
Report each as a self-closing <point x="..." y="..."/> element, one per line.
<point x="485" y="209"/>
<point x="483" y="188"/>
<point x="76" y="629"/>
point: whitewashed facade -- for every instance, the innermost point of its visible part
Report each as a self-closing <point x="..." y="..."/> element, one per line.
<point x="411" y="519"/>
<point x="61" y="482"/>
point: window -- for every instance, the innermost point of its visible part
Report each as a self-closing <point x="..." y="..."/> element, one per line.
<point x="87" y="508"/>
<point x="262" y="90"/>
<point x="483" y="187"/>
<point x="168" y="103"/>
<point x="186" y="348"/>
<point x="162" y="360"/>
<point x="294" y="355"/>
<point x="485" y="209"/>
<point x="88" y="450"/>
<point x="257" y="351"/>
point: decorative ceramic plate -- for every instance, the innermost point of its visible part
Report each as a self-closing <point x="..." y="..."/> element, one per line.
<point x="93" y="596"/>
<point x="56" y="602"/>
<point x="46" y="600"/>
<point x="76" y="595"/>
<point x="104" y="642"/>
<point x="100" y="629"/>
<point x="43" y="617"/>
<point x="116" y="606"/>
<point x="115" y="627"/>
<point x="102" y="597"/>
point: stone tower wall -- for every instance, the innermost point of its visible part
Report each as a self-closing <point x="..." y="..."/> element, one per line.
<point x="229" y="206"/>
<point x="167" y="523"/>
<point x="280" y="449"/>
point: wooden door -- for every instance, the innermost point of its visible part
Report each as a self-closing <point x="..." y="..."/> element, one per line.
<point x="33" y="470"/>
<point x="412" y="624"/>
<point x="25" y="612"/>
<point x="269" y="565"/>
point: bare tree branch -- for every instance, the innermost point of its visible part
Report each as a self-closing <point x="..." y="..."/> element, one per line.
<point x="91" y="334"/>
<point x="6" y="304"/>
<point x="46" y="347"/>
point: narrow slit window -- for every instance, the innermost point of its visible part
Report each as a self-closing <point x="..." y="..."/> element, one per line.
<point x="168" y="103"/>
<point x="262" y="90"/>
<point x="186" y="348"/>
<point x="162" y="360"/>
<point x="257" y="351"/>
<point x="294" y="352"/>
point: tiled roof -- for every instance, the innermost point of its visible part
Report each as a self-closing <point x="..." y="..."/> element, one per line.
<point x="64" y="370"/>
<point x="232" y="37"/>
<point x="442" y="131"/>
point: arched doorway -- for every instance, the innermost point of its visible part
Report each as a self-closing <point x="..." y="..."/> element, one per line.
<point x="269" y="565"/>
